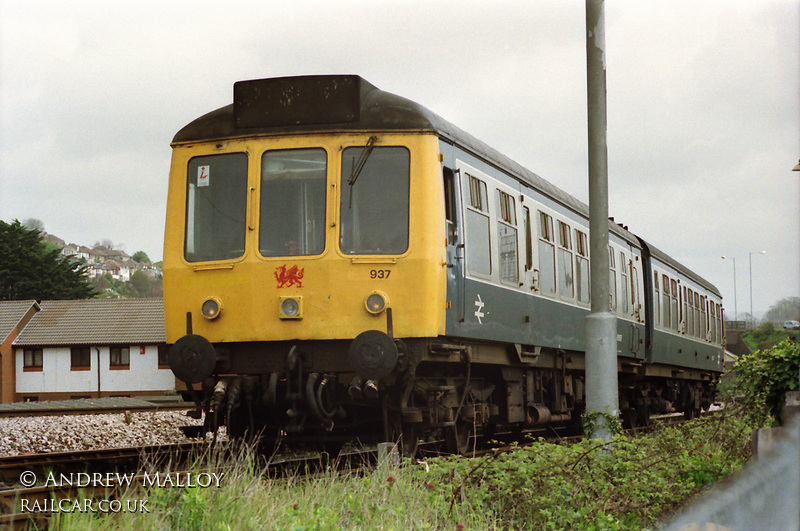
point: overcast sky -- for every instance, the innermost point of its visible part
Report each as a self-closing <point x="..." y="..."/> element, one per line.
<point x="703" y="107"/>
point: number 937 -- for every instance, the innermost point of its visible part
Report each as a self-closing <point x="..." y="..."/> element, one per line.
<point x="380" y="273"/>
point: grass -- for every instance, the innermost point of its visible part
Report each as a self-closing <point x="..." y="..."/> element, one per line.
<point x="542" y="486"/>
<point x="767" y="335"/>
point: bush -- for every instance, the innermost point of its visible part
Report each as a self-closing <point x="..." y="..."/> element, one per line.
<point x="629" y="484"/>
<point x="764" y="378"/>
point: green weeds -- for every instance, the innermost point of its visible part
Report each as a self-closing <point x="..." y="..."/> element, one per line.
<point x="541" y="486"/>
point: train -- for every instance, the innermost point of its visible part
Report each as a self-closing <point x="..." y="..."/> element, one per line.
<point x="341" y="261"/>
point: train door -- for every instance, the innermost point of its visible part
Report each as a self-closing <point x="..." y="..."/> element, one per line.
<point x="633" y="305"/>
<point x="530" y="273"/>
<point x="455" y="246"/>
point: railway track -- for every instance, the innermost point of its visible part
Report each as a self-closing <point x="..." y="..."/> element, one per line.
<point x="90" y="408"/>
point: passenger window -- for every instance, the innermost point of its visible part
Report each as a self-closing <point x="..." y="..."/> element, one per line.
<point x="697" y="315"/>
<point x="478" y="248"/>
<point x="612" y="280"/>
<point x="528" y="240"/>
<point x="665" y="303"/>
<point x="634" y="289"/>
<point x="703" y="318"/>
<point x="713" y="321"/>
<point x="623" y="271"/>
<point x="657" y="299"/>
<point x="565" y="273"/>
<point x="582" y="267"/>
<point x="547" y="256"/>
<point x="507" y="237"/>
<point x="674" y="306"/>
<point x="477" y="194"/>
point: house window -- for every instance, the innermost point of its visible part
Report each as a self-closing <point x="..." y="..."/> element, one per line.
<point x="163" y="356"/>
<point x="81" y="358"/>
<point x="120" y="357"/>
<point x="33" y="359"/>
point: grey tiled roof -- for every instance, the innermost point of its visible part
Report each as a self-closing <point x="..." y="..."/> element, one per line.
<point x="95" y="322"/>
<point x="11" y="312"/>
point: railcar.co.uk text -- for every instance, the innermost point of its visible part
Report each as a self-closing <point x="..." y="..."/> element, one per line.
<point x="109" y="480"/>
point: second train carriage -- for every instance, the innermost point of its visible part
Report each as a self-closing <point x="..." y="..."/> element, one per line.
<point x="340" y="258"/>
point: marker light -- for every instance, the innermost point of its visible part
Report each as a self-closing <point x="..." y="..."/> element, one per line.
<point x="291" y="308"/>
<point x="211" y="309"/>
<point x="376" y="302"/>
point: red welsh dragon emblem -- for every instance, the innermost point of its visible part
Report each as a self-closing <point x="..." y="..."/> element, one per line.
<point x="289" y="277"/>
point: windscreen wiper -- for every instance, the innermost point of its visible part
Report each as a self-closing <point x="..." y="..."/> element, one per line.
<point x="359" y="165"/>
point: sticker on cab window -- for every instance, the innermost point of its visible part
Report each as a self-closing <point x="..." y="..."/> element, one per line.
<point x="203" y="174"/>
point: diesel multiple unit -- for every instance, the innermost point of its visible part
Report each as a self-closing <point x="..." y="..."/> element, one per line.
<point x="340" y="259"/>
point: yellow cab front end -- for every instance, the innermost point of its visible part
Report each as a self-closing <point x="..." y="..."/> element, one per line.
<point x="296" y="239"/>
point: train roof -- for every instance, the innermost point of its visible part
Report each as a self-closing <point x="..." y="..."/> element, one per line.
<point x="666" y="259"/>
<point x="347" y="103"/>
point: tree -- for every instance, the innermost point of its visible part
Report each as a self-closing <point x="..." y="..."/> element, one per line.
<point x="105" y="244"/>
<point x="141" y="257"/>
<point x="29" y="269"/>
<point x="33" y="224"/>
<point x="144" y="285"/>
<point x="784" y="310"/>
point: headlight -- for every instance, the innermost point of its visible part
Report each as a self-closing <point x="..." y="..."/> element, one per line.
<point x="211" y="309"/>
<point x="291" y="308"/>
<point x="376" y="302"/>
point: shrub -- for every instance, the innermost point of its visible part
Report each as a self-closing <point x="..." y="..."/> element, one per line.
<point x="764" y="378"/>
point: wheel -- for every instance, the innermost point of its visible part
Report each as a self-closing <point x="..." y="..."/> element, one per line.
<point x="457" y="438"/>
<point x="691" y="413"/>
<point x="409" y="440"/>
<point x="642" y="416"/>
<point x="406" y="435"/>
<point x="629" y="418"/>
